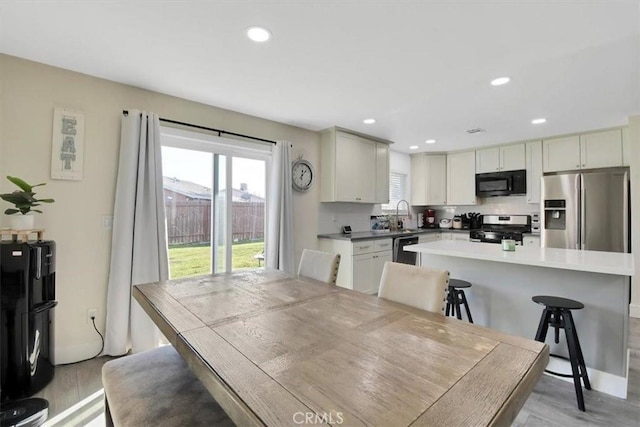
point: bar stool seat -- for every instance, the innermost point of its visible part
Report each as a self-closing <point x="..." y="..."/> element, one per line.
<point x="557" y="313"/>
<point x="455" y="297"/>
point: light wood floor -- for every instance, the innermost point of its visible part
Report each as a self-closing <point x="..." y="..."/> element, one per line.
<point x="76" y="399"/>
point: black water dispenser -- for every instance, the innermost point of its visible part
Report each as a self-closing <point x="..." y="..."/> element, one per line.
<point x="27" y="285"/>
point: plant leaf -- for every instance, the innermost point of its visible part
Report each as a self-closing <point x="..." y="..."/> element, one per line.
<point x="45" y="200"/>
<point x="11" y="211"/>
<point x="36" y="210"/>
<point x="20" y="183"/>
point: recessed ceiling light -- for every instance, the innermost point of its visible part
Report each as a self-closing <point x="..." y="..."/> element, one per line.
<point x="500" y="81"/>
<point x="369" y="121"/>
<point x="413" y="147"/>
<point x="430" y="141"/>
<point x="258" y="34"/>
<point x="538" y="121"/>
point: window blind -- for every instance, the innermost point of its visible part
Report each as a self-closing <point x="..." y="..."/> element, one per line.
<point x="397" y="192"/>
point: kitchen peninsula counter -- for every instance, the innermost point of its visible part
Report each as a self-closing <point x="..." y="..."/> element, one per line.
<point x="503" y="283"/>
<point x="566" y="259"/>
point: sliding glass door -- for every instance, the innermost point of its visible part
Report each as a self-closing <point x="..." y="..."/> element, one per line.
<point x="215" y="200"/>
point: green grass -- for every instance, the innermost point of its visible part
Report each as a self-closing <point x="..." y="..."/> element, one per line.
<point x="188" y="261"/>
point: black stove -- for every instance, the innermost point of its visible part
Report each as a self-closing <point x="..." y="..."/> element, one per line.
<point x="495" y="228"/>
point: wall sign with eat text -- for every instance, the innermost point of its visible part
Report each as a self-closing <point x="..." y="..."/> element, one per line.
<point x="67" y="150"/>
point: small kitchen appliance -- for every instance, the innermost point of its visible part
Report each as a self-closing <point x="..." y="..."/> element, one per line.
<point x="496" y="228"/>
<point x="429" y="218"/>
<point x="445" y="223"/>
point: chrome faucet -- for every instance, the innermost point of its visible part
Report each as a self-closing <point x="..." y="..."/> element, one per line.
<point x="398" y="209"/>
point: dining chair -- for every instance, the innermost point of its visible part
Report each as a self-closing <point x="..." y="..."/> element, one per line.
<point x="420" y="287"/>
<point x="318" y="265"/>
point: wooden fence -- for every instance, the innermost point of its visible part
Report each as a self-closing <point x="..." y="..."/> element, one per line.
<point x="190" y="222"/>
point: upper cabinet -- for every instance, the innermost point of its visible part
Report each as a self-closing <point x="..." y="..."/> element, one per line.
<point x="353" y="168"/>
<point x="428" y="179"/>
<point x="561" y="154"/>
<point x="626" y="147"/>
<point x="382" y="173"/>
<point x="594" y="150"/>
<point x="506" y="158"/>
<point x="601" y="149"/>
<point x="534" y="170"/>
<point x="461" y="178"/>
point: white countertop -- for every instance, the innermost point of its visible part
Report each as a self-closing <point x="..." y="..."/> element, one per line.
<point x="567" y="259"/>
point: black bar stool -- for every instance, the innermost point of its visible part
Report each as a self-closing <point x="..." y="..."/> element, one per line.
<point x="455" y="297"/>
<point x="557" y="313"/>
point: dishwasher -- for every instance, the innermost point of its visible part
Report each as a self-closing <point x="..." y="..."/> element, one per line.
<point x="399" y="254"/>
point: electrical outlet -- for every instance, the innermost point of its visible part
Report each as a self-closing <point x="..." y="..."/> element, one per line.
<point x="92" y="313"/>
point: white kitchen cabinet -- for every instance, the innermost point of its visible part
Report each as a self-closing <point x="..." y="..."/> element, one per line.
<point x="351" y="168"/>
<point x="454" y="235"/>
<point x="561" y="154"/>
<point x="418" y="180"/>
<point x="626" y="147"/>
<point x="488" y="160"/>
<point x="361" y="262"/>
<point x="588" y="151"/>
<point x="382" y="173"/>
<point x="504" y="158"/>
<point x="461" y="178"/>
<point x="532" y="241"/>
<point x="534" y="170"/>
<point x="429" y="237"/>
<point x="601" y="149"/>
<point x="428" y="179"/>
<point x="512" y="157"/>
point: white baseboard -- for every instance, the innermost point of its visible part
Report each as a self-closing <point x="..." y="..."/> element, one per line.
<point x="634" y="310"/>
<point x="601" y="381"/>
<point x="75" y="353"/>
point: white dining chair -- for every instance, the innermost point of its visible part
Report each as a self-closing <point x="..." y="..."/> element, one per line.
<point x="318" y="265"/>
<point x="420" y="287"/>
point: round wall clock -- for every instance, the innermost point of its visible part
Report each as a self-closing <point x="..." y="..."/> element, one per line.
<point x="301" y="175"/>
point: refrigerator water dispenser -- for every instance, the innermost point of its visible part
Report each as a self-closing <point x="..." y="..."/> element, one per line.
<point x="555" y="215"/>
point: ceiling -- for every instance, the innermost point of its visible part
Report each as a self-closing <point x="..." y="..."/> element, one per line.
<point x="420" y="68"/>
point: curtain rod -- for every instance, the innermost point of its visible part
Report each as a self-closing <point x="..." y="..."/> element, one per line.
<point x="219" y="131"/>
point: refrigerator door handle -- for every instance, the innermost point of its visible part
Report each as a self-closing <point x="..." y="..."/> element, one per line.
<point x="583" y="218"/>
<point x="625" y="213"/>
<point x="579" y="212"/>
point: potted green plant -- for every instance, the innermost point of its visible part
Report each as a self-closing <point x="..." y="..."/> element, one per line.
<point x="24" y="201"/>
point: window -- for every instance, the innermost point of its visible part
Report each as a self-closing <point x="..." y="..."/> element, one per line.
<point x="215" y="199"/>
<point x="397" y="192"/>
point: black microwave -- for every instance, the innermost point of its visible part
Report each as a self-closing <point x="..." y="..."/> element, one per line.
<point x="501" y="183"/>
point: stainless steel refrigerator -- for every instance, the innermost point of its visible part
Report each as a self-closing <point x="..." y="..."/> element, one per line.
<point x="588" y="211"/>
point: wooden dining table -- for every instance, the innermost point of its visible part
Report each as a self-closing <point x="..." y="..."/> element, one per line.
<point x="275" y="350"/>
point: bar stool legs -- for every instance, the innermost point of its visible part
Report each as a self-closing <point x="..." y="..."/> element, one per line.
<point x="456" y="297"/>
<point x="561" y="318"/>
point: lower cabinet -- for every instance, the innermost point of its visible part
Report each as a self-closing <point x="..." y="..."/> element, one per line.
<point x="533" y="241"/>
<point x="429" y="237"/>
<point x="457" y="235"/>
<point x="367" y="271"/>
<point x="361" y="262"/>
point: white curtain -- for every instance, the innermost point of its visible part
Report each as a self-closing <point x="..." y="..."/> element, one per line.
<point x="279" y="245"/>
<point x="139" y="252"/>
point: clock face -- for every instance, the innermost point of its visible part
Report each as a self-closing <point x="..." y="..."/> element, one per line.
<point x="301" y="175"/>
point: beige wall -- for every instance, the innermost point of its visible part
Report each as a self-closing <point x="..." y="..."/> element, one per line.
<point x="29" y="91"/>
